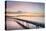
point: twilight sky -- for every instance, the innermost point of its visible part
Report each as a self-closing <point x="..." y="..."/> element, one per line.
<point x="13" y="6"/>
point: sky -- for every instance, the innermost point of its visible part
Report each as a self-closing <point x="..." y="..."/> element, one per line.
<point x="33" y="7"/>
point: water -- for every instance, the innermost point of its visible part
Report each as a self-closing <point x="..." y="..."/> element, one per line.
<point x="34" y="19"/>
<point x="11" y="23"/>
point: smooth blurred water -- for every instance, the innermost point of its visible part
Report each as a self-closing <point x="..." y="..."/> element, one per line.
<point x="11" y="23"/>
